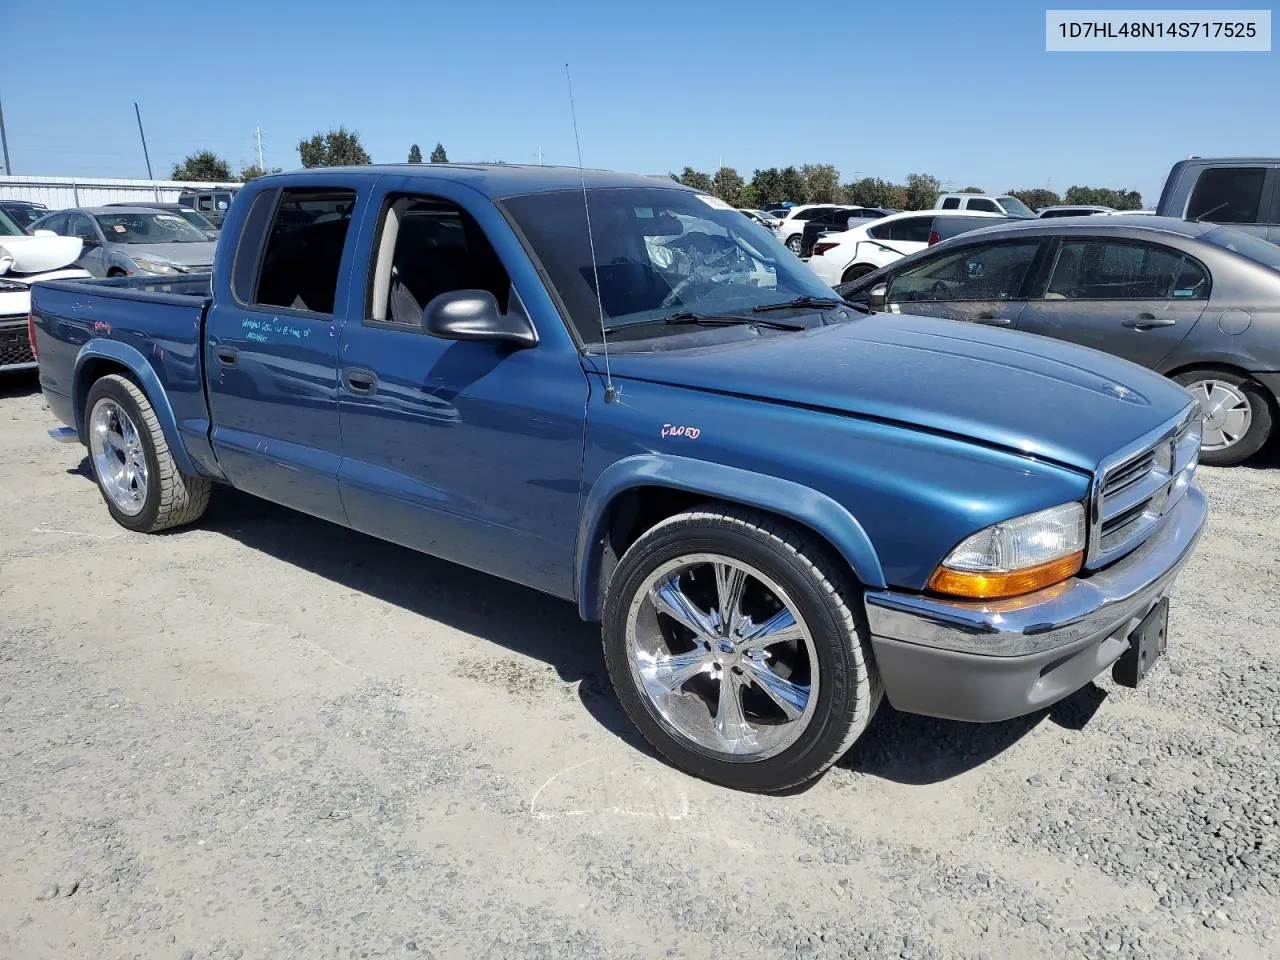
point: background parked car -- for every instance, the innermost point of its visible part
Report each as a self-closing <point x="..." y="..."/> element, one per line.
<point x="842" y="257"/>
<point x="1241" y="191"/>
<point x="23" y="212"/>
<point x="836" y="221"/>
<point x="24" y="259"/>
<point x="984" y="203"/>
<point x="791" y="229"/>
<point x="1069" y="210"/>
<point x="193" y="217"/>
<point x="122" y="241"/>
<point x="760" y="217"/>
<point x="1197" y="302"/>
<point x="214" y="204"/>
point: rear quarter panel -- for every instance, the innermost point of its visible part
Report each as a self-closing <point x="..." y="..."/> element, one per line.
<point x="86" y="328"/>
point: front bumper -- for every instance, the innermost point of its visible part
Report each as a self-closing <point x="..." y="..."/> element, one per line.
<point x="993" y="661"/>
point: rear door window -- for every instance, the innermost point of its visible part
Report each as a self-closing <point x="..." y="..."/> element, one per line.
<point x="304" y="250"/>
<point x="1107" y="270"/>
<point x="951" y="203"/>
<point x="1228" y="195"/>
<point x="908" y="230"/>
<point x="983" y="204"/>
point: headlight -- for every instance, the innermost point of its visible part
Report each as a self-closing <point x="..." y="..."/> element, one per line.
<point x="1015" y="556"/>
<point x="154" y="266"/>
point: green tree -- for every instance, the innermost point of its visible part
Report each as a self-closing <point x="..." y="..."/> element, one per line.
<point x="438" y="155"/>
<point x="337" y="148"/>
<point x="253" y="172"/>
<point x="203" y="165"/>
<point x="415" y="154"/>
<point x="870" y="192"/>
<point x="749" y="198"/>
<point x="1105" y="197"/>
<point x="767" y="187"/>
<point x="696" y="179"/>
<point x="822" y="182"/>
<point x="1036" y="197"/>
<point x="971" y="190"/>
<point x="793" y="185"/>
<point x="921" y="191"/>
<point x="727" y="184"/>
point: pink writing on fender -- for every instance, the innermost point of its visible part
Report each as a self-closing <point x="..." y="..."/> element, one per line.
<point x="691" y="432"/>
<point x="101" y="326"/>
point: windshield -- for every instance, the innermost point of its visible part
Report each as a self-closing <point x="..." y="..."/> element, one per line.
<point x="1015" y="207"/>
<point x="148" y="228"/>
<point x="658" y="251"/>
<point x="7" y="227"/>
<point x="1247" y="245"/>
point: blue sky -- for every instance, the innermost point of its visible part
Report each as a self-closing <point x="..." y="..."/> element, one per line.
<point x="965" y="92"/>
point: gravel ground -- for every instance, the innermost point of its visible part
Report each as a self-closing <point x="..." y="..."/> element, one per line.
<point x="270" y="737"/>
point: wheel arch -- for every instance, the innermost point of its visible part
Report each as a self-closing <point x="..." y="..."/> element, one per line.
<point x="99" y="358"/>
<point x="638" y="491"/>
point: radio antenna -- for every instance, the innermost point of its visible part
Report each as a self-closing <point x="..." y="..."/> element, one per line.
<point x="610" y="394"/>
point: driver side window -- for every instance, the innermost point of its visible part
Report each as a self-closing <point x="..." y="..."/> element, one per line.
<point x="994" y="271"/>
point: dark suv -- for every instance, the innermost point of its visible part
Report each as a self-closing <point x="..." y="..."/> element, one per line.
<point x="213" y="204"/>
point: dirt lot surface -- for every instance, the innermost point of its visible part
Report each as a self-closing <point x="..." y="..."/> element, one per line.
<point x="269" y="737"/>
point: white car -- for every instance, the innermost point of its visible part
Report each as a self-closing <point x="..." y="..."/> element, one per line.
<point x="791" y="229"/>
<point x="841" y="257"/>
<point x="761" y="217"/>
<point x="984" y="203"/>
<point x="24" y="260"/>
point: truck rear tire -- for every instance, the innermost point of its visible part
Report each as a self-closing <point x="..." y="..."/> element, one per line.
<point x="739" y="648"/>
<point x="143" y="488"/>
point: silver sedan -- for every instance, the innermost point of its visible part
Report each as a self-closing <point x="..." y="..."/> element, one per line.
<point x="124" y="241"/>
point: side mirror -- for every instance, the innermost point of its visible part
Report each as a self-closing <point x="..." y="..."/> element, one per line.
<point x="474" y="315"/>
<point x="43" y="233"/>
<point x="89" y="242"/>
<point x="876" y="296"/>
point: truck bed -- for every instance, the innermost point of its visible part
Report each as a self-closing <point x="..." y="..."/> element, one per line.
<point x="152" y="323"/>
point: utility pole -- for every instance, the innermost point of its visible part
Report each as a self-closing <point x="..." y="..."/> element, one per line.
<point x="146" y="156"/>
<point x="258" y="135"/>
<point x="4" y="140"/>
<point x="539" y="156"/>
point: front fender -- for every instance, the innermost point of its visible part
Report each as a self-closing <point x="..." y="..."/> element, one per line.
<point x="786" y="498"/>
<point x="145" y="375"/>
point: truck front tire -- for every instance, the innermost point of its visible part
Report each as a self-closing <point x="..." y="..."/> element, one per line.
<point x="143" y="488"/>
<point x="739" y="648"/>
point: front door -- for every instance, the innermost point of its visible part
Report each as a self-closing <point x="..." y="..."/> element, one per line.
<point x="977" y="283"/>
<point x="467" y="450"/>
<point x="272" y="347"/>
<point x="1134" y="299"/>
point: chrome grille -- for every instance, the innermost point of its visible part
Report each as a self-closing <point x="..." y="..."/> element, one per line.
<point x="1134" y="491"/>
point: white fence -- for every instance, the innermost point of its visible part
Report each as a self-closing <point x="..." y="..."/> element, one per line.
<point x="57" y="193"/>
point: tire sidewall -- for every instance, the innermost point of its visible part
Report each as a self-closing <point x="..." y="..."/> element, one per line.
<point x="112" y="389"/>
<point x="856" y="273"/>
<point x="1261" y="417"/>
<point x="831" y="646"/>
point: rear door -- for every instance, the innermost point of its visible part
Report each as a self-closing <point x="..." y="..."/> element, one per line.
<point x="977" y="283"/>
<point x="1131" y="298"/>
<point x="271" y="352"/>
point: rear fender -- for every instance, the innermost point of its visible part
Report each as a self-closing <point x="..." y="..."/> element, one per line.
<point x="805" y="506"/>
<point x="143" y="374"/>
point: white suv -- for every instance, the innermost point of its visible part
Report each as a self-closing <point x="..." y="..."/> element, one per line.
<point x="984" y="203"/>
<point x="841" y="257"/>
<point x="791" y="230"/>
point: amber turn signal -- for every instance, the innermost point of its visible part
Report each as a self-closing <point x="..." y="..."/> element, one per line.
<point x="991" y="586"/>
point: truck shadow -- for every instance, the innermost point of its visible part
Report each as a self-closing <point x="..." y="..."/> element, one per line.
<point x="21" y="384"/>
<point x="899" y="747"/>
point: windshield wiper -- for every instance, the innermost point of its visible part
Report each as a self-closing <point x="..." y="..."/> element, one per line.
<point x="807" y="301"/>
<point x="690" y="317"/>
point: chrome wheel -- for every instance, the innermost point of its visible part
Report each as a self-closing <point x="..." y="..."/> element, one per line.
<point x="1227" y="413"/>
<point x="722" y="656"/>
<point x="118" y="456"/>
<point x="795" y="244"/>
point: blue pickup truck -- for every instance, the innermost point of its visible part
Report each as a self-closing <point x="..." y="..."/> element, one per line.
<point x="620" y="391"/>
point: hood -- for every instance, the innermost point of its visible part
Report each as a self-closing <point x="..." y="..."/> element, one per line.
<point x="38" y="254"/>
<point x="1019" y="391"/>
<point x="180" y="254"/>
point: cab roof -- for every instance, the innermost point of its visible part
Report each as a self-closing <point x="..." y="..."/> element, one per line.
<point x="494" y="180"/>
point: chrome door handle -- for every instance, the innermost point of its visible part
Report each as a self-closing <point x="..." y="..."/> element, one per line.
<point x="1146" y="321"/>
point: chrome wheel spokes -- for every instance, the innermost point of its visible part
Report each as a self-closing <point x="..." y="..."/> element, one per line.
<point x="722" y="656"/>
<point x="118" y="456"/>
